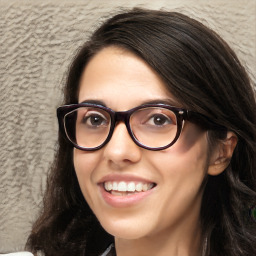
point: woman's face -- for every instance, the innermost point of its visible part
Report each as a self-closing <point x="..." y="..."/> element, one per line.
<point x="172" y="178"/>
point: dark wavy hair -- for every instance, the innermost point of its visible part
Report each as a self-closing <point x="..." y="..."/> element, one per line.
<point x="205" y="75"/>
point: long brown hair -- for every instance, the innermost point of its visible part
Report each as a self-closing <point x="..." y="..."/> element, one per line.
<point x="203" y="73"/>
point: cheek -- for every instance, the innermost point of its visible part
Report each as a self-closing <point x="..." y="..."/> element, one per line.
<point x="183" y="168"/>
<point x="190" y="150"/>
<point x="85" y="163"/>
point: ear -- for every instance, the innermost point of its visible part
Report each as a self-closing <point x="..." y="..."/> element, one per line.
<point x="222" y="154"/>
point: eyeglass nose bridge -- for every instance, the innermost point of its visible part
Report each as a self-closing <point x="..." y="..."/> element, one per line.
<point x="122" y="116"/>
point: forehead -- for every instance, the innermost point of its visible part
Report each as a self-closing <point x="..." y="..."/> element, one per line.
<point x="121" y="80"/>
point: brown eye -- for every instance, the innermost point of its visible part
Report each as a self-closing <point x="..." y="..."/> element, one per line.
<point x="158" y="119"/>
<point x="94" y="120"/>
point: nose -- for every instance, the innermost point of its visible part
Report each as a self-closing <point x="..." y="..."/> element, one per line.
<point x="121" y="150"/>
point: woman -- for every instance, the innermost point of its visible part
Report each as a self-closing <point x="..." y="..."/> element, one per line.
<point x="157" y="145"/>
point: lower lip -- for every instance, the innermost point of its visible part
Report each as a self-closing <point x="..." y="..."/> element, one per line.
<point x="124" y="201"/>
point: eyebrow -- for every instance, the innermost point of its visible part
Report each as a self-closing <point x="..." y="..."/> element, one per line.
<point x="167" y="101"/>
<point x="97" y="102"/>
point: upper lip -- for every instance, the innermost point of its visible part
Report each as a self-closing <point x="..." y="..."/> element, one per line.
<point x="123" y="177"/>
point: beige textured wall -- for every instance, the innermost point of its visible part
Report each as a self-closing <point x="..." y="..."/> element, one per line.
<point x="37" y="40"/>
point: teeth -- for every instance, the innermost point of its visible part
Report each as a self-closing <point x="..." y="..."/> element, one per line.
<point x="131" y="187"/>
<point x="139" y="187"/>
<point x="123" y="186"/>
<point x="145" y="187"/>
<point x="115" y="186"/>
<point x="109" y="186"/>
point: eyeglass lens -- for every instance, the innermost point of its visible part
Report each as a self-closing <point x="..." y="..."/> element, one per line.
<point x="89" y="127"/>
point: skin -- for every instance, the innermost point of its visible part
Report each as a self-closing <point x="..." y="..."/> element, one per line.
<point x="166" y="222"/>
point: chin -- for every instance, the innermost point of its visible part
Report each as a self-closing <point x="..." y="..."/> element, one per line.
<point x="125" y="230"/>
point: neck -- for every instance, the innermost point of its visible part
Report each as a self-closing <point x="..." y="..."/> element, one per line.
<point x="171" y="242"/>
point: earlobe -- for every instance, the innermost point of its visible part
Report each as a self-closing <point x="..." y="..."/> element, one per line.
<point x="222" y="154"/>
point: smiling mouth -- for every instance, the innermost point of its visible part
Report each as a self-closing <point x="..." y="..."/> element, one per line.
<point x="123" y="188"/>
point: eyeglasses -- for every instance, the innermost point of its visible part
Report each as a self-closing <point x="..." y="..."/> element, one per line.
<point x="151" y="126"/>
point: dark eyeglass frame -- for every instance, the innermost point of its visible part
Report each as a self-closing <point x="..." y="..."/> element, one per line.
<point x="124" y="116"/>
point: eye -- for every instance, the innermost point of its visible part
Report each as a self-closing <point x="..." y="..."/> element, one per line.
<point x="159" y="120"/>
<point x="154" y="117"/>
<point x="94" y="119"/>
